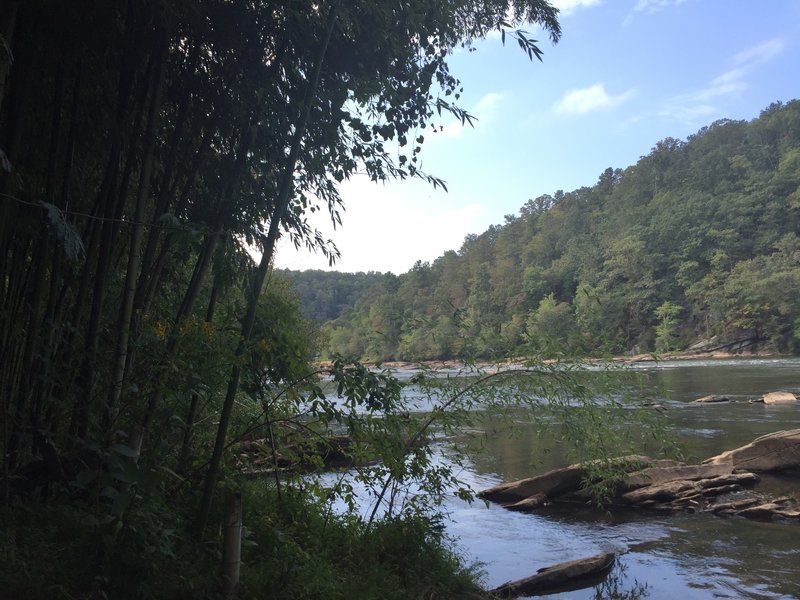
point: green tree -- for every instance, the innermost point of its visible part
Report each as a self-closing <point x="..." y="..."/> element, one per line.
<point x="666" y="334"/>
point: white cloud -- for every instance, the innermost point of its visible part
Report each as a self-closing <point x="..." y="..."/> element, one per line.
<point x="649" y="7"/>
<point x="487" y="104"/>
<point x="567" y="7"/>
<point x="389" y="228"/>
<point x="584" y="100"/>
<point x="653" y="6"/>
<point x="693" y="105"/>
<point x="687" y="113"/>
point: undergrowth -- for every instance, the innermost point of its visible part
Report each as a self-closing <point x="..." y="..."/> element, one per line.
<point x="292" y="548"/>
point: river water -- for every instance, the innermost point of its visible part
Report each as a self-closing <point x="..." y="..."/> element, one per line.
<point x="662" y="556"/>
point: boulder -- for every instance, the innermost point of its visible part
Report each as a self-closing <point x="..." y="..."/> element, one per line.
<point x="711" y="400"/>
<point x="553" y="483"/>
<point x="563" y="577"/>
<point x="778" y="398"/>
<point x="772" y="452"/>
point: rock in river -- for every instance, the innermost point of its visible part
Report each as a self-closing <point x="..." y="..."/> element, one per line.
<point x="778" y="398"/>
<point x="711" y="400"/>
<point x="772" y="452"/>
<point x="721" y="485"/>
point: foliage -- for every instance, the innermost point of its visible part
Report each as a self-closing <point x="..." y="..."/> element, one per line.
<point x="292" y="548"/>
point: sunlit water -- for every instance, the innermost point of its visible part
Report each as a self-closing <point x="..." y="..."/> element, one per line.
<point x="683" y="556"/>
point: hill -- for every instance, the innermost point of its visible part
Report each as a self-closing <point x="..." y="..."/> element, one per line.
<point x="696" y="241"/>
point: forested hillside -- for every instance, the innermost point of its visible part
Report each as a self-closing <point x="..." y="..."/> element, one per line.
<point x="698" y="239"/>
<point x="324" y="295"/>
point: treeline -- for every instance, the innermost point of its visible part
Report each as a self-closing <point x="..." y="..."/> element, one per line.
<point x="325" y="295"/>
<point x="698" y="239"/>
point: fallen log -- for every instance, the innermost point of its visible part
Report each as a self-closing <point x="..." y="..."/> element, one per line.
<point x="563" y="577"/>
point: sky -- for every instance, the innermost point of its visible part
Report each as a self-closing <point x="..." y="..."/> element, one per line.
<point x="625" y="75"/>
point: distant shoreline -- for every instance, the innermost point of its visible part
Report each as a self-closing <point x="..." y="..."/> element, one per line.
<point x="633" y="358"/>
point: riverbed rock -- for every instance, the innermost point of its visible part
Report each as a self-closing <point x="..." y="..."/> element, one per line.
<point x="779" y="508"/>
<point x="563" y="577"/>
<point x="678" y="493"/>
<point x="772" y="452"/>
<point x="529" y="504"/>
<point x="713" y="399"/>
<point x="553" y="483"/>
<point x="658" y="475"/>
<point x="778" y="398"/>
<point x="722" y="485"/>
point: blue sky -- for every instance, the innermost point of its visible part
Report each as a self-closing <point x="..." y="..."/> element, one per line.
<point x="626" y="74"/>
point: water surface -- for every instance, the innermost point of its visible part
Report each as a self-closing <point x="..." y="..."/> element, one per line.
<point x="673" y="556"/>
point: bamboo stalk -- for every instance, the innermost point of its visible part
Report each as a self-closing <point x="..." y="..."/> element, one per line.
<point x="232" y="545"/>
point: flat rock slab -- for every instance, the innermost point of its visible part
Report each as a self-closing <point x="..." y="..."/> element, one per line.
<point x="660" y="475"/>
<point x="563" y="577"/>
<point x="711" y="400"/>
<point x="772" y="452"/>
<point x="676" y="494"/>
<point x="771" y="510"/>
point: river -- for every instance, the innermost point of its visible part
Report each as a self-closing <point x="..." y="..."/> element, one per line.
<point x="682" y="556"/>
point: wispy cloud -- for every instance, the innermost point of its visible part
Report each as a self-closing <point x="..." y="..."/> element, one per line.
<point x="487" y="105"/>
<point x="691" y="106"/>
<point x="653" y="6"/>
<point x="584" y="100"/>
<point x="762" y="53"/>
<point x="567" y="7"/>
<point x="484" y="112"/>
<point x="649" y="7"/>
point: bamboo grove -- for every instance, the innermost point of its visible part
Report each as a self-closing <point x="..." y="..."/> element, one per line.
<point x="147" y="148"/>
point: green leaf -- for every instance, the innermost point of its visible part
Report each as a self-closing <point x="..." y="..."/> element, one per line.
<point x="124" y="450"/>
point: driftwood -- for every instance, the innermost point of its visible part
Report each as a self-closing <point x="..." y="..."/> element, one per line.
<point x="563" y="577"/>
